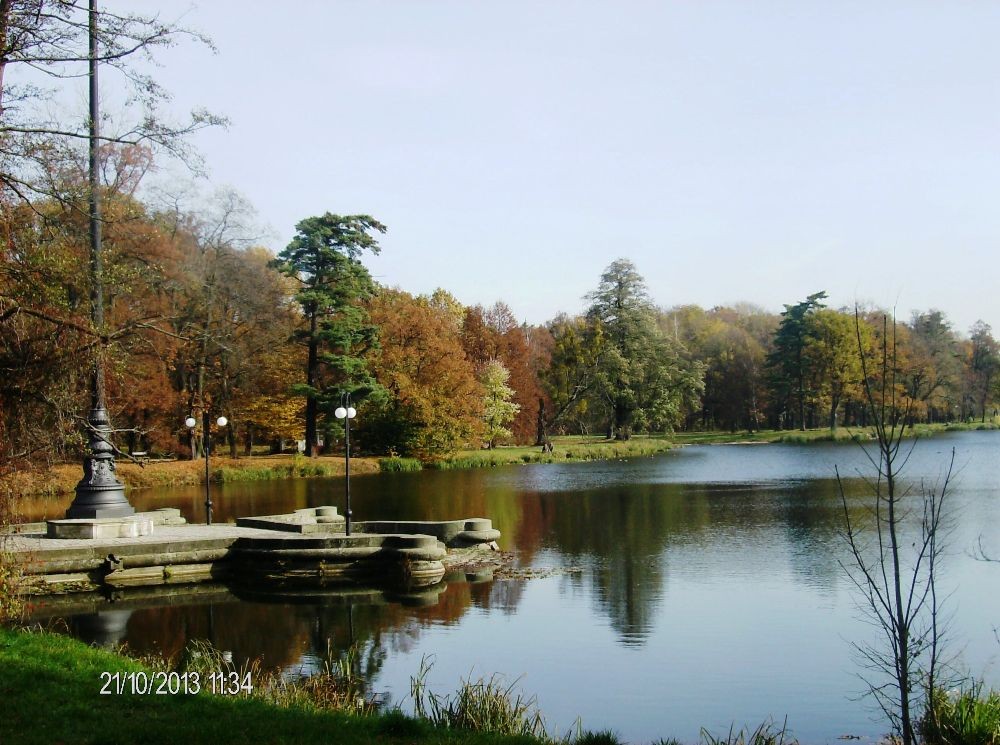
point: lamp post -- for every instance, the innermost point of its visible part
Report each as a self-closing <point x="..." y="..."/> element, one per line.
<point x="99" y="494"/>
<point x="206" y="439"/>
<point x="347" y="412"/>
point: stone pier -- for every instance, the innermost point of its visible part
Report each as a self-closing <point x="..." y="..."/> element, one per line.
<point x="304" y="548"/>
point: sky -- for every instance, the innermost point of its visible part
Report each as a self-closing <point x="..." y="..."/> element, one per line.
<point x="733" y="151"/>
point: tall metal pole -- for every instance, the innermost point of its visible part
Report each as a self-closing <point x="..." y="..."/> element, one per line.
<point x="100" y="493"/>
<point x="206" y="444"/>
<point x="347" y="456"/>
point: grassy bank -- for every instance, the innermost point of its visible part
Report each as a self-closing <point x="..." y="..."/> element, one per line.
<point x="567" y="448"/>
<point x="58" y="480"/>
<point x="61" y="479"/>
<point x="968" y="716"/>
<point x="51" y="685"/>
<point x="842" y="434"/>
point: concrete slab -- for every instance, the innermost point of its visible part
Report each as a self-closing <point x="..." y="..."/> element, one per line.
<point x="307" y="520"/>
<point x="93" y="528"/>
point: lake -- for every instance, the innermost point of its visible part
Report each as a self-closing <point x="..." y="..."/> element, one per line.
<point x="693" y="589"/>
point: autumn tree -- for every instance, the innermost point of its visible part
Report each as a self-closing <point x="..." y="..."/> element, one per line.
<point x="498" y="405"/>
<point x="251" y="367"/>
<point x="494" y="333"/>
<point x="571" y="377"/>
<point x="324" y="258"/>
<point x="934" y="373"/>
<point x="831" y="362"/>
<point x="433" y="403"/>
<point x="44" y="43"/>
<point x="43" y="296"/>
<point x="732" y="344"/>
<point x="983" y="366"/>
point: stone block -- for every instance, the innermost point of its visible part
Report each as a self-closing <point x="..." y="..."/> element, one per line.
<point x="135" y="526"/>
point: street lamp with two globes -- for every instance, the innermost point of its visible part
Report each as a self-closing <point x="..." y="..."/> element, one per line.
<point x="206" y="438"/>
<point x="347" y="412"/>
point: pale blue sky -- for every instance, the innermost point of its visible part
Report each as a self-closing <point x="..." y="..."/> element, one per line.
<point x="755" y="151"/>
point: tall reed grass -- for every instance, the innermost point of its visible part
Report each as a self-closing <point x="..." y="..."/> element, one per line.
<point x="968" y="716"/>
<point x="483" y="705"/>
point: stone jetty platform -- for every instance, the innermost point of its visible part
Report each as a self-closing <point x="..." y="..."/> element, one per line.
<point x="306" y="548"/>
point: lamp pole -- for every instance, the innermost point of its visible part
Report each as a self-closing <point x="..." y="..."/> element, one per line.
<point x="206" y="439"/>
<point x="347" y="412"/>
<point x="99" y="494"/>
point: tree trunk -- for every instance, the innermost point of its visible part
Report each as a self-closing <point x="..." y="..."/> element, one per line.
<point x="540" y="437"/>
<point x="4" y="28"/>
<point x="312" y="445"/>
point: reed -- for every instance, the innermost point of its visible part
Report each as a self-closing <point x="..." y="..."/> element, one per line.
<point x="396" y="464"/>
<point x="483" y="705"/>
<point x="967" y="716"/>
<point x="766" y="733"/>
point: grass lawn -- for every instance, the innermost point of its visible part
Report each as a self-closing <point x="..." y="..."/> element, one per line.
<point x="50" y="686"/>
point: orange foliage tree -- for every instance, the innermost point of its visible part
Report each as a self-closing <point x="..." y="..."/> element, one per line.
<point x="434" y="402"/>
<point x="494" y="334"/>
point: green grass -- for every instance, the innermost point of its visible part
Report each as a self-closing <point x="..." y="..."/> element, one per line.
<point x="604" y="737"/>
<point x="821" y="434"/>
<point x="395" y="464"/>
<point x="483" y="705"/>
<point x="300" y="468"/>
<point x="50" y="686"/>
<point x="968" y="716"/>
<point x="566" y="448"/>
<point x="971" y="426"/>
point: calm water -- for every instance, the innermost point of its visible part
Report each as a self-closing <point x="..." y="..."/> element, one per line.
<point x="695" y="589"/>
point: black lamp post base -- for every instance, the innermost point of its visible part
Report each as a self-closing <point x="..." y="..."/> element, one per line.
<point x="100" y="493"/>
<point x="93" y="502"/>
<point x="98" y="513"/>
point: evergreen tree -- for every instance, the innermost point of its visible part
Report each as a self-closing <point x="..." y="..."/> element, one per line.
<point x="787" y="360"/>
<point x="324" y="257"/>
<point x="640" y="378"/>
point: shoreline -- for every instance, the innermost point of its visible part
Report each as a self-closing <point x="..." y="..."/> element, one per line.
<point x="59" y="480"/>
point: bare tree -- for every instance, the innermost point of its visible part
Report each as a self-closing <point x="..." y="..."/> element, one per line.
<point x="894" y="572"/>
<point x="43" y="47"/>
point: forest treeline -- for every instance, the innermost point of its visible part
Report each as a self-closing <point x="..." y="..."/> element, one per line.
<point x="198" y="315"/>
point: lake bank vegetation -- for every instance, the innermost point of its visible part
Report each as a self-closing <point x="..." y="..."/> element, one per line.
<point x="62" y="676"/>
<point x="227" y="328"/>
<point x="58" y="480"/>
<point x="435" y="381"/>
